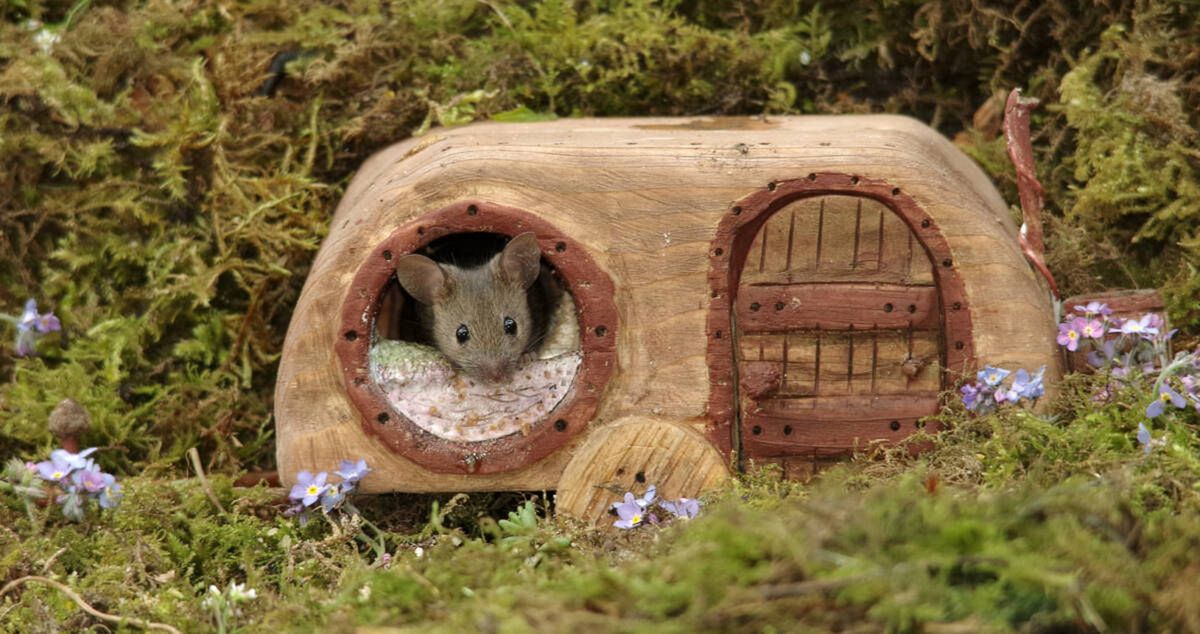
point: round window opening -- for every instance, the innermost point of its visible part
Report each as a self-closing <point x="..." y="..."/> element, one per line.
<point x="469" y="339"/>
<point x="468" y="353"/>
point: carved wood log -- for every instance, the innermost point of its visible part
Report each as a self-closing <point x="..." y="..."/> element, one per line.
<point x="632" y="454"/>
<point x="883" y="262"/>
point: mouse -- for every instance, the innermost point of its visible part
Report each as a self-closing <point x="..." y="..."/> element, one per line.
<point x="483" y="318"/>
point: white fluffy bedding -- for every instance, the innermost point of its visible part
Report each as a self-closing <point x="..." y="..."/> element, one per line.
<point x="421" y="384"/>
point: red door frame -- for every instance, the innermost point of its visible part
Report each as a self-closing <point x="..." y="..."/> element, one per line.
<point x="727" y="255"/>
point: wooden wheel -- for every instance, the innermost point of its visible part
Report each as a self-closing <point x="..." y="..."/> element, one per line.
<point x="630" y="455"/>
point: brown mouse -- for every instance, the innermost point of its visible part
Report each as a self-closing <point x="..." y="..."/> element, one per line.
<point x="483" y="318"/>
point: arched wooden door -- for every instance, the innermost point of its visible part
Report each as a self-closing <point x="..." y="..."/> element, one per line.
<point x="843" y="319"/>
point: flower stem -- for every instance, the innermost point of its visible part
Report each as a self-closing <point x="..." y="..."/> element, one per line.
<point x="377" y="543"/>
<point x="1182" y="359"/>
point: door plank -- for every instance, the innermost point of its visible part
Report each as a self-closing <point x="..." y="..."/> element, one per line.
<point x="835" y="424"/>
<point x="844" y="409"/>
<point x="795" y="307"/>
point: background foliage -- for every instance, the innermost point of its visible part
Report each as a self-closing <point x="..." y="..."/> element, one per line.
<point x="164" y="192"/>
<point x="168" y="169"/>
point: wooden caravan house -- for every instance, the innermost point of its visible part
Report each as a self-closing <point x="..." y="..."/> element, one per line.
<point x="773" y="290"/>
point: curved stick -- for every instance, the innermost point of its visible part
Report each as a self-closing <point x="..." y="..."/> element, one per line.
<point x="1031" y="192"/>
<point x="83" y="605"/>
<point x="1035" y="258"/>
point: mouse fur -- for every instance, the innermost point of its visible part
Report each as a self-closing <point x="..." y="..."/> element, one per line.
<point x="477" y="302"/>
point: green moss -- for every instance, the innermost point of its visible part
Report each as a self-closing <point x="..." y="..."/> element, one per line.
<point x="1135" y="163"/>
<point x="1009" y="522"/>
<point x="168" y="212"/>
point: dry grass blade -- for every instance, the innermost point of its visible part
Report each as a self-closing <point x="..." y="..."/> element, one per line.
<point x="83" y="605"/>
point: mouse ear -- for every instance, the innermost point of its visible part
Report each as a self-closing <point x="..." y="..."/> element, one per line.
<point x="422" y="278"/>
<point x="520" y="261"/>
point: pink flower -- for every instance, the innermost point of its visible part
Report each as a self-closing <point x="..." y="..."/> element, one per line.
<point x="1143" y="327"/>
<point x="1068" y="334"/>
<point x="1095" y="308"/>
<point x="1092" y="329"/>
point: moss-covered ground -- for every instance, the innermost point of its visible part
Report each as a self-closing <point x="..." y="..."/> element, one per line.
<point x="168" y="169"/>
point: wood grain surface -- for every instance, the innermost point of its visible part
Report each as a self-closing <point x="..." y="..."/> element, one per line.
<point x="644" y="197"/>
<point x="630" y="455"/>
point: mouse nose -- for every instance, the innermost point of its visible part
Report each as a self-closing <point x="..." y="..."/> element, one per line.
<point x="495" y="371"/>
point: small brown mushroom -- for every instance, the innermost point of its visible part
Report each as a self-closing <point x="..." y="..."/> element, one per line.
<point x="68" y="421"/>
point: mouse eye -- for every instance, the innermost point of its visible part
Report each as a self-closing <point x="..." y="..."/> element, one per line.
<point x="462" y="334"/>
<point x="510" y="326"/>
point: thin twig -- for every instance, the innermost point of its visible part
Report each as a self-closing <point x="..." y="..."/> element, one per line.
<point x="83" y="605"/>
<point x="244" y="328"/>
<point x="194" y="456"/>
<point x="50" y="561"/>
<point x="801" y="588"/>
<point x="503" y="18"/>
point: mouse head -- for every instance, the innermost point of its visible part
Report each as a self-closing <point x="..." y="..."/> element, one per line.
<point x="478" y="317"/>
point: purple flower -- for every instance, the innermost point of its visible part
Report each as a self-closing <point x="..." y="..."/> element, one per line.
<point x="309" y="488"/>
<point x="648" y="499"/>
<point x="351" y="473"/>
<point x="1091" y="329"/>
<point x="32" y="325"/>
<point x="47" y="323"/>
<point x="992" y="377"/>
<point x="1107" y="348"/>
<point x="629" y="512"/>
<point x="1143" y="437"/>
<point x="111" y="493"/>
<point x="80" y="479"/>
<point x="643" y="502"/>
<point x="1191" y="388"/>
<point x="970" y="396"/>
<point x="1095" y="308"/>
<point x="1158" y="324"/>
<point x="90" y="479"/>
<point x="1069" y="333"/>
<point x="1026" y="386"/>
<point x="1036" y="388"/>
<point x="984" y="394"/>
<point x="26" y="344"/>
<point x="684" y="509"/>
<point x="56" y="469"/>
<point x="334" y="496"/>
<point x="1142" y="327"/>
<point x="40" y="323"/>
<point x="74" y="460"/>
<point x="1165" y="395"/>
<point x="1148" y="442"/>
<point x="299" y="511"/>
